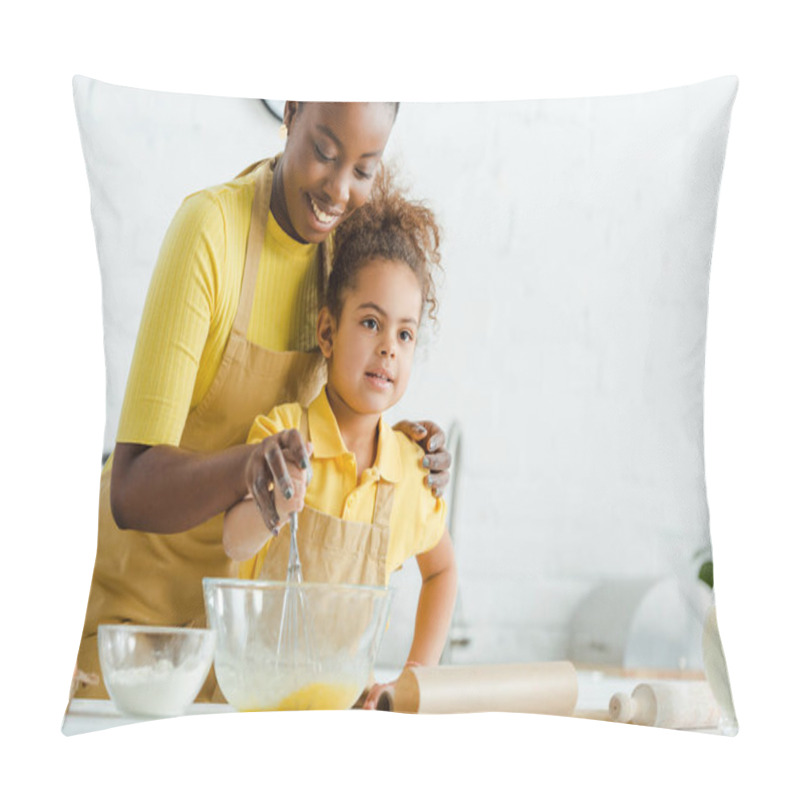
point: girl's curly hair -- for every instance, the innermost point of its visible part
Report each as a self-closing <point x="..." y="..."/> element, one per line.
<point x="387" y="226"/>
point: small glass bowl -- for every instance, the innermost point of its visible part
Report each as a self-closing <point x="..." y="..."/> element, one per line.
<point x="153" y="671"/>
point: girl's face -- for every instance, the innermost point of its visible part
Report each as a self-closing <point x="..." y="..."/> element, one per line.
<point x="370" y="349"/>
<point x="329" y="163"/>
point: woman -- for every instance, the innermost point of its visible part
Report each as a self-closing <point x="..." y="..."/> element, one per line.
<point x="227" y="333"/>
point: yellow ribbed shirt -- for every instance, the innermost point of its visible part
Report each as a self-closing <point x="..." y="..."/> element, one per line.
<point x="418" y="518"/>
<point x="192" y="302"/>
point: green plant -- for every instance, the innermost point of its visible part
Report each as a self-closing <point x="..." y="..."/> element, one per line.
<point x="706" y="571"/>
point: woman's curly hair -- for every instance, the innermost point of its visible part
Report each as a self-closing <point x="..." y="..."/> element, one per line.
<point x="387" y="226"/>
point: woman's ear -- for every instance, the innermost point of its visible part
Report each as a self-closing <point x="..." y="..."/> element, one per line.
<point x="290" y="110"/>
<point x="326" y="327"/>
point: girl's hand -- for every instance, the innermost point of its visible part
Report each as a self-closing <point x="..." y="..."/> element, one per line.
<point x="372" y="696"/>
<point x="437" y="458"/>
<point x="376" y="690"/>
<point x="276" y="476"/>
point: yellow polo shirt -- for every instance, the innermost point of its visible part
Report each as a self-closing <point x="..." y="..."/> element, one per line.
<point x="192" y="302"/>
<point x="418" y="518"/>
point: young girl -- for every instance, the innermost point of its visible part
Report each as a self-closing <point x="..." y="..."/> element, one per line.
<point x="366" y="509"/>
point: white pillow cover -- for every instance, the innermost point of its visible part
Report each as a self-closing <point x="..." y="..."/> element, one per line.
<point x="570" y="346"/>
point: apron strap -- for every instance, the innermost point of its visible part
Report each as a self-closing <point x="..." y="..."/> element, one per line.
<point x="256" y="164"/>
<point x="384" y="497"/>
<point x="324" y="263"/>
<point x="255" y="243"/>
<point x="303" y="426"/>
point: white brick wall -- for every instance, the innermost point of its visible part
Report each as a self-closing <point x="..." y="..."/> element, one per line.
<point x="576" y="379"/>
<point x="570" y="347"/>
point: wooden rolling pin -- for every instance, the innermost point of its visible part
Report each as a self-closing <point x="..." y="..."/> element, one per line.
<point x="544" y="688"/>
<point x="676" y="704"/>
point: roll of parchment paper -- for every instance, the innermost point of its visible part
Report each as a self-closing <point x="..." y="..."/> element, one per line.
<point x="544" y="688"/>
<point x="674" y="704"/>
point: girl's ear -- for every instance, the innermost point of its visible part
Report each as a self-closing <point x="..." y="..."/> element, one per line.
<point x="326" y="326"/>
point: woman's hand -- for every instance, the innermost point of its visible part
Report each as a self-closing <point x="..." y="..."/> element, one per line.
<point x="276" y="474"/>
<point x="437" y="459"/>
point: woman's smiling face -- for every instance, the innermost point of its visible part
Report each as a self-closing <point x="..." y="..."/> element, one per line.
<point x="327" y="168"/>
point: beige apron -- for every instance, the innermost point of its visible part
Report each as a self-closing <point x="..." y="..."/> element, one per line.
<point x="156" y="579"/>
<point x="337" y="551"/>
<point x="334" y="550"/>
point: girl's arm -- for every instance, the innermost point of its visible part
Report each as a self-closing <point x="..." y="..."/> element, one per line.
<point x="437" y="598"/>
<point x="244" y="531"/>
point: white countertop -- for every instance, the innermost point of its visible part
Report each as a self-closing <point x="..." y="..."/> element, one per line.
<point x="595" y="689"/>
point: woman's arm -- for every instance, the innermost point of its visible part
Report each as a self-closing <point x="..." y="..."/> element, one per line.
<point x="437" y="598"/>
<point x="165" y="489"/>
<point x="155" y="485"/>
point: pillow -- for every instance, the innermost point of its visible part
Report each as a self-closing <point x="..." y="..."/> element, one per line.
<point x="567" y="362"/>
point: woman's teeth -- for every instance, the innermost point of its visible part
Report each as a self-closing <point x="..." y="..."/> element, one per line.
<point x="324" y="218"/>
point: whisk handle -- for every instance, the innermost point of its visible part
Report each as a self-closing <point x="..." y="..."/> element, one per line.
<point x="294" y="573"/>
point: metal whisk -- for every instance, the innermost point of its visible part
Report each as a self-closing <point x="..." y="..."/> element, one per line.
<point x="296" y="635"/>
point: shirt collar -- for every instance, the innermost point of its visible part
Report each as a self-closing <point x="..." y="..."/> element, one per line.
<point x="282" y="239"/>
<point x="274" y="231"/>
<point x="323" y="430"/>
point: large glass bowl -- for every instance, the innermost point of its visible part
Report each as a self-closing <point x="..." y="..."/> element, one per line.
<point x="154" y="671"/>
<point x="294" y="646"/>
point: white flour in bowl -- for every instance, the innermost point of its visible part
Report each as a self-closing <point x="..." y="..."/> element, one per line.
<point x="156" y="690"/>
